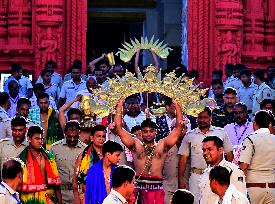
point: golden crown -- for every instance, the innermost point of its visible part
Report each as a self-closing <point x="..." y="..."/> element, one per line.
<point x="181" y="89"/>
<point x="129" y="49"/>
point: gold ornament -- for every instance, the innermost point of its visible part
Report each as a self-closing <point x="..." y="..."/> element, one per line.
<point x="182" y="89"/>
<point x="129" y="49"/>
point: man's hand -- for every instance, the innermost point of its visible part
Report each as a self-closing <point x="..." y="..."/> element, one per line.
<point x="78" y="97"/>
<point x="119" y="107"/>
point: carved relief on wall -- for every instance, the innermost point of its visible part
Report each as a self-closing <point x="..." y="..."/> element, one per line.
<point x="3" y="22"/>
<point x="50" y="24"/>
<point x="19" y="23"/>
<point x="229" y="45"/>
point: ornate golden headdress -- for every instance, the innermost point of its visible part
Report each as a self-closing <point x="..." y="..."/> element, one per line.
<point x="181" y="89"/>
<point x="129" y="49"/>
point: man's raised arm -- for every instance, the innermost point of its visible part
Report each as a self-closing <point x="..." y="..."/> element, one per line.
<point x="172" y="138"/>
<point x="125" y="136"/>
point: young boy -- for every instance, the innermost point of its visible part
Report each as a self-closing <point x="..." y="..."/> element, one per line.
<point x="98" y="183"/>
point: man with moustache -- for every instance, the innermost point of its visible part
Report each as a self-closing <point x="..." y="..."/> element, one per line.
<point x="191" y="146"/>
<point x="213" y="151"/>
<point x="149" y="156"/>
<point x="225" y="114"/>
<point x="238" y="130"/>
<point x="65" y="152"/>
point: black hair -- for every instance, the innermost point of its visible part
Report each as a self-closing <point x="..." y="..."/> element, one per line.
<point x="168" y="101"/>
<point x="44" y="71"/>
<point x="15" y="67"/>
<point x="77" y="63"/>
<point x="240" y="67"/>
<point x="135" y="96"/>
<point x="218" y="72"/>
<point x="18" y="121"/>
<point x="259" y="74"/>
<point x="229" y="69"/>
<point x="245" y="72"/>
<point x="262" y="118"/>
<point x="72" y="124"/>
<point x="182" y="196"/>
<point x="23" y="100"/>
<point x="220" y="174"/>
<point x="11" y="82"/>
<point x="35" y="129"/>
<point x="4" y="98"/>
<point x="73" y="111"/>
<point x="148" y="123"/>
<point x="111" y="147"/>
<point x="11" y="168"/>
<point x="43" y="95"/>
<point x="241" y="104"/>
<point x="230" y="90"/>
<point x="135" y="128"/>
<point x="194" y="74"/>
<point x="50" y="64"/>
<point x="208" y="110"/>
<point x="217" y="81"/>
<point x="121" y="175"/>
<point x="217" y="141"/>
<point x="97" y="128"/>
<point x="265" y="102"/>
<point x="38" y="86"/>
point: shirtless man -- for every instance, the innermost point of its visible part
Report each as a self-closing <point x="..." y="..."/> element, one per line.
<point x="149" y="156"/>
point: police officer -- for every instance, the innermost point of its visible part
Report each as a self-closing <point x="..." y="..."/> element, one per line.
<point x="12" y="179"/>
<point x="262" y="92"/>
<point x="12" y="147"/>
<point x="213" y="152"/>
<point x="5" y="104"/>
<point x="246" y="91"/>
<point x="66" y="152"/>
<point x="71" y="87"/>
<point x="257" y="160"/>
<point x="56" y="78"/>
<point x="191" y="146"/>
<point x="23" y="107"/>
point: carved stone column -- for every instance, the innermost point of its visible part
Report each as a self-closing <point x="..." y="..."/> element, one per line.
<point x="228" y="32"/>
<point x="3" y="23"/>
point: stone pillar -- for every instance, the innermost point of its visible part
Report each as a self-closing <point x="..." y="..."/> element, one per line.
<point x="3" y="22"/>
<point x="19" y="24"/>
<point x="49" y="27"/>
<point x="228" y="32"/>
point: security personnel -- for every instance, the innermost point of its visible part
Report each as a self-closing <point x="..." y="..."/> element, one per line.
<point x="213" y="155"/>
<point x="71" y="87"/>
<point x="246" y="91"/>
<point x="66" y="152"/>
<point x="5" y="104"/>
<point x="262" y="92"/>
<point x="191" y="146"/>
<point x="23" y="107"/>
<point x="257" y="160"/>
<point x="12" y="147"/>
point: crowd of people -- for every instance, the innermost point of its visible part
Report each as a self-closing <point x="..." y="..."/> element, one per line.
<point x="48" y="154"/>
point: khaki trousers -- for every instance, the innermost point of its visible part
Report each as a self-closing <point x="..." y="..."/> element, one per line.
<point x="261" y="195"/>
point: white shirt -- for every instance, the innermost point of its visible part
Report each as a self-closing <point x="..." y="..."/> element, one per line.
<point x="232" y="82"/>
<point x="12" y="110"/>
<point x="3" y="115"/>
<point x="114" y="198"/>
<point x="7" y="194"/>
<point x="232" y="196"/>
<point x="246" y="95"/>
<point x="24" y="84"/>
<point x="262" y="92"/>
<point x="133" y="121"/>
<point x="70" y="89"/>
<point x="55" y="79"/>
<point x="53" y="91"/>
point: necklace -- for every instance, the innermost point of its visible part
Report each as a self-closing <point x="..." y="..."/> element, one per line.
<point x="149" y="152"/>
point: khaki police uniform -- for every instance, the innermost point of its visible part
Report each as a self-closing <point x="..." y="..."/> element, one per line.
<point x="8" y="149"/>
<point x="8" y="195"/>
<point x="5" y="128"/>
<point x="3" y="115"/>
<point x="237" y="178"/>
<point x="259" y="153"/>
<point x="262" y="92"/>
<point x="191" y="146"/>
<point x="65" y="158"/>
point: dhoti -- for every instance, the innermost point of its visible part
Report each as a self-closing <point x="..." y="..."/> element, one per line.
<point x="149" y="190"/>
